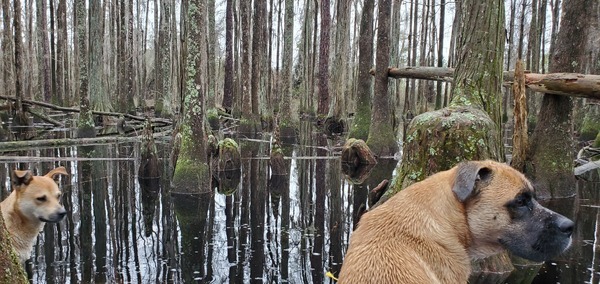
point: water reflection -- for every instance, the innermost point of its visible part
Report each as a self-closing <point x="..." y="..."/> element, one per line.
<point x="250" y="226"/>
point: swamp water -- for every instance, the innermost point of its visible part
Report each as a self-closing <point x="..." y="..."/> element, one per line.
<point x="256" y="228"/>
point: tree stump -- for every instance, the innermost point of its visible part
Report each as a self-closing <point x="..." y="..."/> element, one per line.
<point x="229" y="155"/>
<point x="438" y="140"/>
<point x="357" y="160"/>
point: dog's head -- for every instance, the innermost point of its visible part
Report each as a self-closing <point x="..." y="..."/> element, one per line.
<point x="503" y="214"/>
<point x="38" y="197"/>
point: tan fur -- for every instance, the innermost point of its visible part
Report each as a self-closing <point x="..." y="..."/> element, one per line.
<point x="424" y="234"/>
<point x="22" y="210"/>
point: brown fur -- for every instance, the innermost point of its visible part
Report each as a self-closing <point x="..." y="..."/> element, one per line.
<point x="430" y="231"/>
<point x="25" y="210"/>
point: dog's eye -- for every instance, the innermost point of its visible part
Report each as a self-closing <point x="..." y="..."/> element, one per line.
<point x="42" y="198"/>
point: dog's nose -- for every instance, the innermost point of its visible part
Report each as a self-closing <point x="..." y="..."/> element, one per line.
<point x="565" y="225"/>
<point x="60" y="214"/>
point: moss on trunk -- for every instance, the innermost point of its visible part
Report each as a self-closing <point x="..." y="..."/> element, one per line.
<point x="11" y="271"/>
<point x="192" y="175"/>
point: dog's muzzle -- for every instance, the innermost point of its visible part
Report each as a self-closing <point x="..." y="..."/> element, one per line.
<point x="56" y="217"/>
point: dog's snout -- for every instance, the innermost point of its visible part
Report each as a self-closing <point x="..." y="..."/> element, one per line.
<point x="565" y="225"/>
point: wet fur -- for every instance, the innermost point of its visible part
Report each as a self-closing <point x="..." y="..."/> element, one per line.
<point x="430" y="231"/>
<point x="25" y="214"/>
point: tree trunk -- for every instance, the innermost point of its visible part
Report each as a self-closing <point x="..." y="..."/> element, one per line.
<point x="44" y="51"/>
<point x="163" y="60"/>
<point x="212" y="76"/>
<point x="228" y="80"/>
<point x="289" y="121"/>
<point x="86" y="121"/>
<point x="550" y="159"/>
<point x="192" y="160"/>
<point x="382" y="139"/>
<point x="362" y="118"/>
<point x="439" y="101"/>
<point x="18" y="39"/>
<point x="62" y="64"/>
<point x="323" y="105"/>
<point x="246" y="13"/>
<point x="99" y="99"/>
<point x="8" y="49"/>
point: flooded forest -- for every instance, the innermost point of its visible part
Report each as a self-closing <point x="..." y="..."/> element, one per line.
<point x="241" y="141"/>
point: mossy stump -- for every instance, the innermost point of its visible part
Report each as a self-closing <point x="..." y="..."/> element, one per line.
<point x="149" y="168"/>
<point x="277" y="161"/>
<point x="356" y="152"/>
<point x="229" y="155"/>
<point x="357" y="160"/>
<point x="438" y="140"/>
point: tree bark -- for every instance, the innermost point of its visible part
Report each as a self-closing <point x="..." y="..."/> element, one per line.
<point x="228" y="80"/>
<point x="290" y="119"/>
<point x="520" y="136"/>
<point x="323" y="105"/>
<point x="11" y="270"/>
<point x="99" y="99"/>
<point x="62" y="60"/>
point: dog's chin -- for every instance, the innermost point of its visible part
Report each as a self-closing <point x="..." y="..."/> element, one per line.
<point x="51" y="220"/>
<point x="539" y="251"/>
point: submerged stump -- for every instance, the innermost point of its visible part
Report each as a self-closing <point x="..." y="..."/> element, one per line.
<point x="229" y="155"/>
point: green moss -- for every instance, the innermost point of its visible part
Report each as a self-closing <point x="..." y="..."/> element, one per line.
<point x="590" y="127"/>
<point x="212" y="116"/>
<point x="440" y="139"/>
<point x="596" y="143"/>
<point x="229" y="143"/>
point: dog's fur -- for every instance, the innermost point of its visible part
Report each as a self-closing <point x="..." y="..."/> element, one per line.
<point x="34" y="200"/>
<point x="430" y="231"/>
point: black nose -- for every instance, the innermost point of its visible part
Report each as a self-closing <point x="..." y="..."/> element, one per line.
<point x="565" y="225"/>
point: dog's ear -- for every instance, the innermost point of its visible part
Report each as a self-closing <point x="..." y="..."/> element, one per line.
<point x="467" y="174"/>
<point x="58" y="171"/>
<point x="20" y="178"/>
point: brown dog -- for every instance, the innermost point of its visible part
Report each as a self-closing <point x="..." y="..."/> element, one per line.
<point x="429" y="232"/>
<point x="33" y="201"/>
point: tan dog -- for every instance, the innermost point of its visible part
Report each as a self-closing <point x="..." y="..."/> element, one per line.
<point x="33" y="201"/>
<point x="430" y="231"/>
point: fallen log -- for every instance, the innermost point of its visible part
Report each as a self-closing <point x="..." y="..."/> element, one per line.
<point x="564" y="84"/>
<point x="28" y="144"/>
<point x="76" y="110"/>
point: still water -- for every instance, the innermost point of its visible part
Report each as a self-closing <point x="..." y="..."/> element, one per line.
<point x="264" y="228"/>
